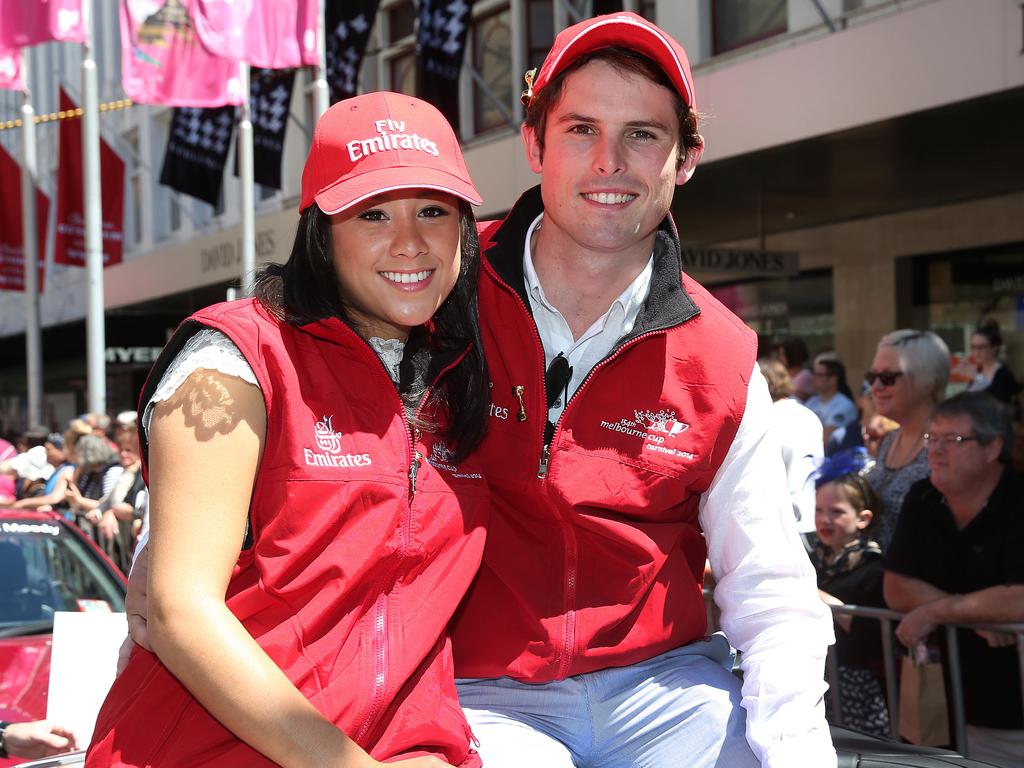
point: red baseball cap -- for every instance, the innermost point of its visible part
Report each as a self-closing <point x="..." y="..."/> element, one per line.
<point x="622" y="30"/>
<point x="379" y="142"/>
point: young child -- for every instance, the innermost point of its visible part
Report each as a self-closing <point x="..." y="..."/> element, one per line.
<point x="849" y="566"/>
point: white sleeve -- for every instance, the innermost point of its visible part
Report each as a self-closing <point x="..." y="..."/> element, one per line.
<point x="209" y="349"/>
<point x="767" y="592"/>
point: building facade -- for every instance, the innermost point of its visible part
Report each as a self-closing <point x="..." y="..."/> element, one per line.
<point x="863" y="172"/>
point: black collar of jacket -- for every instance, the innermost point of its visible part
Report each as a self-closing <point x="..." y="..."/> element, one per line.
<point x="667" y="304"/>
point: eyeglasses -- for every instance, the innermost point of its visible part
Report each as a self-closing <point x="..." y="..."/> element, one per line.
<point x="934" y="441"/>
<point x="885" y="378"/>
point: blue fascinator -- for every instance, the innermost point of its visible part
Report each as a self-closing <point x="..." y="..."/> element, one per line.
<point x="852" y="461"/>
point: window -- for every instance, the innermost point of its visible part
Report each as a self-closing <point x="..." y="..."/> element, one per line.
<point x="401" y="21"/>
<point x="735" y="23"/>
<point x="540" y="32"/>
<point x="400" y="47"/>
<point x="492" y="59"/>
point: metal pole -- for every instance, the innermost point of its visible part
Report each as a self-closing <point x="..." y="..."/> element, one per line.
<point x="30" y="243"/>
<point x="891" y="691"/>
<point x="247" y="192"/>
<point x="95" y="345"/>
<point x="321" y="94"/>
<point x="957" y="690"/>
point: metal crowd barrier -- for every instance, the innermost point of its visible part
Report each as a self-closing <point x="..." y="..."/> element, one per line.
<point x="887" y="625"/>
<point x="887" y="621"/>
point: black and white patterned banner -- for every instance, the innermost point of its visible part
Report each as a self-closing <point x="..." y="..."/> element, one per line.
<point x="347" y="24"/>
<point x="270" y="97"/>
<point x="197" y="150"/>
<point x="441" y="43"/>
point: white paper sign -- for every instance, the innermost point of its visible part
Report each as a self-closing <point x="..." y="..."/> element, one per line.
<point x="83" y="664"/>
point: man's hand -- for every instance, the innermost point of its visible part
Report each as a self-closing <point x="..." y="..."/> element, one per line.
<point x="916" y="626"/>
<point x="137" y="602"/>
<point x="108" y="526"/>
<point x="38" y="739"/>
<point x="997" y="639"/>
<point x="419" y="762"/>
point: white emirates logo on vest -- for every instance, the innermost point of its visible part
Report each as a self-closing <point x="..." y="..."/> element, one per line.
<point x="329" y="443"/>
<point x="391" y="135"/>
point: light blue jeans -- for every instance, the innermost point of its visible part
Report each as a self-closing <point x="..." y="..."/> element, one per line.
<point x="678" y="710"/>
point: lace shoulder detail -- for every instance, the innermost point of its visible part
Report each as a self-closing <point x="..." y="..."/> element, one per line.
<point x="209" y="349"/>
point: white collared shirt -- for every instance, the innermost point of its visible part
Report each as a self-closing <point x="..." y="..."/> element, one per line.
<point x="766" y="587"/>
<point x="598" y="340"/>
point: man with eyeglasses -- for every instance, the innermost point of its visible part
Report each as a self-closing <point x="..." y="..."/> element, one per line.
<point x="957" y="556"/>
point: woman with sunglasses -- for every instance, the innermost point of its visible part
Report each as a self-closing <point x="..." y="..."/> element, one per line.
<point x="908" y="378"/>
<point x="314" y="519"/>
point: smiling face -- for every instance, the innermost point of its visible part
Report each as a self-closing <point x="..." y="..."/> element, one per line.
<point x="898" y="399"/>
<point x="397" y="257"/>
<point x="835" y="519"/>
<point x="609" y="160"/>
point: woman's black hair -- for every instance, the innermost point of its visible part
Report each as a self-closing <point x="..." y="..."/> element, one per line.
<point x="990" y="330"/>
<point x="305" y="289"/>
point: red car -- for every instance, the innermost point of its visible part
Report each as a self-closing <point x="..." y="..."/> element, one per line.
<point x="46" y="565"/>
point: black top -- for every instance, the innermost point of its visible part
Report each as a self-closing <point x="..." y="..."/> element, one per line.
<point x="1004" y="386"/>
<point x="988" y="552"/>
<point x="862" y="586"/>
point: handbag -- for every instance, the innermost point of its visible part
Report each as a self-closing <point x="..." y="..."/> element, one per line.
<point x="924" y="710"/>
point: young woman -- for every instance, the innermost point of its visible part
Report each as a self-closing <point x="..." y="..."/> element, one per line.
<point x="992" y="375"/>
<point x="314" y="520"/>
<point x="849" y="566"/>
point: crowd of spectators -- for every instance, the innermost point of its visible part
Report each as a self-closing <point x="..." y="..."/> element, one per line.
<point x="916" y="491"/>
<point x="89" y="473"/>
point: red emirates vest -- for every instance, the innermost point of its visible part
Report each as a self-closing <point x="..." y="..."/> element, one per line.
<point x="365" y="538"/>
<point x="594" y="554"/>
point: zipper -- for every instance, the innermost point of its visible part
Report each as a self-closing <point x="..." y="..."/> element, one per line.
<point x="380" y="619"/>
<point x="380" y="664"/>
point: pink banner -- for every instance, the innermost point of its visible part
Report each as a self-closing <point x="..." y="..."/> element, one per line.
<point x="10" y="70"/>
<point x="12" y="248"/>
<point x="29" y="22"/>
<point x="70" y="243"/>
<point x="163" y="61"/>
<point x="274" y="34"/>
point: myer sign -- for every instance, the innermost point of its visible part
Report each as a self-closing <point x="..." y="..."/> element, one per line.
<point x="764" y="263"/>
<point x="127" y="355"/>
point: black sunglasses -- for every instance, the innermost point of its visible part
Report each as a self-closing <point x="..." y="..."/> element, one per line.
<point x="886" y="378"/>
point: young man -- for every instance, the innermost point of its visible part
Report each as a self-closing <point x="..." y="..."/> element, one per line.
<point x="630" y="439"/>
<point x="956" y="558"/>
<point x="836" y="411"/>
<point x="629" y="418"/>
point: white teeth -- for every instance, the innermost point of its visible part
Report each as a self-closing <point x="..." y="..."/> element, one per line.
<point x="608" y="198"/>
<point x="407" y="277"/>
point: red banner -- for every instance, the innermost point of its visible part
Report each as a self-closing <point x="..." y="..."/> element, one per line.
<point x="70" y="245"/>
<point x="12" y="247"/>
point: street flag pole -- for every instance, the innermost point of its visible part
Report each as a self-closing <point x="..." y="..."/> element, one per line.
<point x="30" y="243"/>
<point x="94" y="318"/>
<point x="321" y="94"/>
<point x="246" y="175"/>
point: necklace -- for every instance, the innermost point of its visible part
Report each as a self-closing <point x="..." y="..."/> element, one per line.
<point x="899" y="455"/>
